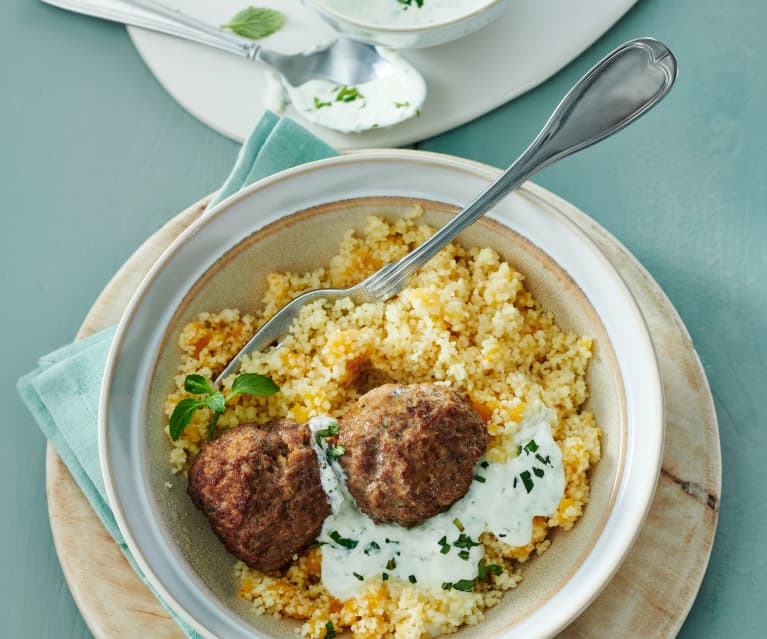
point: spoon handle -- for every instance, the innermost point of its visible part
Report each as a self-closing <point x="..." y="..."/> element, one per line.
<point x="615" y="92"/>
<point x="148" y="14"/>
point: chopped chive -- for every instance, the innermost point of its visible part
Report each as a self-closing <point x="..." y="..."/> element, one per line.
<point x="445" y="549"/>
<point x="457" y="523"/>
<point x="446" y="585"/>
<point x="343" y="541"/>
<point x="464" y="541"/>
<point x="538" y="471"/>
<point x="526" y="480"/>
<point x="385" y="577"/>
<point x="371" y="547"/>
<point x="334" y="452"/>
<point x="330" y="431"/>
<point x="391" y="541"/>
<point x="502" y="535"/>
<point x="515" y="483"/>
<point x="464" y="554"/>
<point x="412" y="579"/>
<point x="531" y="446"/>
<point x="348" y="94"/>
<point x="483" y="570"/>
<point x="464" y="585"/>
<point x="544" y="460"/>
<point x="358" y="576"/>
<point x="318" y="104"/>
<point x="480" y="479"/>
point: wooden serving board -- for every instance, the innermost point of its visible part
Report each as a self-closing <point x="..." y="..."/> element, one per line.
<point x="650" y="595"/>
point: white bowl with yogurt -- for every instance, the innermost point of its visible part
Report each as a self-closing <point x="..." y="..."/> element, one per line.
<point x="408" y="24"/>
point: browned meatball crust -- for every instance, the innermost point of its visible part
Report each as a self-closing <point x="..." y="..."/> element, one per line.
<point x="259" y="485"/>
<point x="410" y="450"/>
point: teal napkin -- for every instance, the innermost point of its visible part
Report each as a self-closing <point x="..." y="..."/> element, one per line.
<point x="62" y="393"/>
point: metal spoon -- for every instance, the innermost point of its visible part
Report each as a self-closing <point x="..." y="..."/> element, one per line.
<point x="620" y="88"/>
<point x="343" y="61"/>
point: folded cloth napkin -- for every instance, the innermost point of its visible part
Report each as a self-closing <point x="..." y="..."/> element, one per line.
<point x="63" y="392"/>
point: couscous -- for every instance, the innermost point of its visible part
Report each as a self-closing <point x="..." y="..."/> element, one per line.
<point x="465" y="320"/>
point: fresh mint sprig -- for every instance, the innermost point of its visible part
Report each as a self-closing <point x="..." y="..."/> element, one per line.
<point x="245" y="384"/>
<point x="256" y="22"/>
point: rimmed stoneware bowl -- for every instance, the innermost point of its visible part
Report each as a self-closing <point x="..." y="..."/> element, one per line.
<point x="294" y="221"/>
<point x="476" y="15"/>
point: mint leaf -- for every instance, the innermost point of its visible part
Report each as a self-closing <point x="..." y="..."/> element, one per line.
<point x="182" y="415"/>
<point x="255" y="22"/>
<point x="215" y="402"/>
<point x="199" y="385"/>
<point x="246" y="384"/>
<point x="253" y="384"/>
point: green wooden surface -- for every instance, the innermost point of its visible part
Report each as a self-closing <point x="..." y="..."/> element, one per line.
<point x="95" y="156"/>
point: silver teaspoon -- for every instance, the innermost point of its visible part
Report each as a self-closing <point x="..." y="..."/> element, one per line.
<point x="343" y="61"/>
<point x="620" y="88"/>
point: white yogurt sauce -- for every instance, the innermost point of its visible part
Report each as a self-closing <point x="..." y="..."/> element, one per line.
<point x="380" y="103"/>
<point x="528" y="484"/>
<point x="394" y="13"/>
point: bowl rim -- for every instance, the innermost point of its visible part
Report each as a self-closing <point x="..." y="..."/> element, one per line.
<point x="475" y="169"/>
<point x="435" y="26"/>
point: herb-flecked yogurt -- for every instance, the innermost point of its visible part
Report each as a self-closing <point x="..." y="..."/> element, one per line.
<point x="351" y="109"/>
<point x="404" y="13"/>
<point x="443" y="551"/>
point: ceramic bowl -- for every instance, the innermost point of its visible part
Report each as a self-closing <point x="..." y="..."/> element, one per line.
<point x="293" y="221"/>
<point x="366" y="29"/>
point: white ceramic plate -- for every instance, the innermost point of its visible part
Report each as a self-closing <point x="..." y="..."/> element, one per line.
<point x="466" y="78"/>
<point x="171" y="541"/>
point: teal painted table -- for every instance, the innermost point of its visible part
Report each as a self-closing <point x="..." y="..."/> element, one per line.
<point x="95" y="156"/>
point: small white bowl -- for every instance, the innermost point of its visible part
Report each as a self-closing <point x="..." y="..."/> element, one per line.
<point x="293" y="221"/>
<point x="477" y="14"/>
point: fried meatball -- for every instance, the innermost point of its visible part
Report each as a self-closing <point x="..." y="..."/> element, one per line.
<point x="410" y="450"/>
<point x="259" y="485"/>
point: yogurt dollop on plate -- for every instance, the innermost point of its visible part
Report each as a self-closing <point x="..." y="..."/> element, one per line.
<point x="443" y="550"/>
<point x="352" y="109"/>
